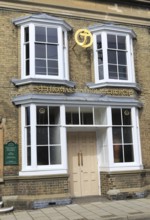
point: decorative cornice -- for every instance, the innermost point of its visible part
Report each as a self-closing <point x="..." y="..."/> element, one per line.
<point x="111" y="27"/>
<point x="40" y="18"/>
<point x="114" y="85"/>
<point x="98" y="10"/>
<point x="77" y="99"/>
<point x="22" y="82"/>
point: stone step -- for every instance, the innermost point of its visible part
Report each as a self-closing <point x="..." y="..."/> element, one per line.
<point x="8" y="209"/>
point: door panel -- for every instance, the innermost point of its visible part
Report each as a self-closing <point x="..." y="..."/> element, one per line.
<point x="74" y="179"/>
<point x="82" y="157"/>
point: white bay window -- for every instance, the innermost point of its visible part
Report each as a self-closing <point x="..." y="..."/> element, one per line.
<point x="44" y="47"/>
<point x="113" y="55"/>
<point x="45" y="127"/>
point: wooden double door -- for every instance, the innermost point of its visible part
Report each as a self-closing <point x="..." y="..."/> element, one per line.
<point x="82" y="162"/>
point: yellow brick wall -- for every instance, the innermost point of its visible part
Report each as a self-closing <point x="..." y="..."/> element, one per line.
<point x="81" y="71"/>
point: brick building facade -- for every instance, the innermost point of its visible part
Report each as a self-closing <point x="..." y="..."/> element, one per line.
<point x="79" y="117"/>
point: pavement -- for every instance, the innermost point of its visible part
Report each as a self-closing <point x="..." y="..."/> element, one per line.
<point x="88" y="210"/>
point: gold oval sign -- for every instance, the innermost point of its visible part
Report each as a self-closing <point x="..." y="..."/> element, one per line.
<point x="83" y="38"/>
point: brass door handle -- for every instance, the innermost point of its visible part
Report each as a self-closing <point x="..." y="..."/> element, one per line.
<point x="80" y="159"/>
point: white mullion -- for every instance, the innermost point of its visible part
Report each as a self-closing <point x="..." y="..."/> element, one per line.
<point x="117" y="54"/>
<point x="132" y="66"/>
<point x="23" y="59"/>
<point x="109" y="137"/>
<point x="130" y="61"/>
<point x="63" y="141"/>
<point x="62" y="115"/>
<point x="49" y="131"/>
<point x="65" y="55"/>
<point x="135" y="134"/>
<point x="24" y="146"/>
<point x="93" y="113"/>
<point x="122" y="138"/>
<point x="63" y="137"/>
<point x="46" y="45"/>
<point x="105" y="55"/>
<point x="60" y="53"/>
<point x="96" y="70"/>
<point x="32" y="49"/>
<point x="79" y="113"/>
<point x="33" y="137"/>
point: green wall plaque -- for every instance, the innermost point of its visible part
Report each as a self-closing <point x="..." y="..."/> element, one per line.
<point x="11" y="153"/>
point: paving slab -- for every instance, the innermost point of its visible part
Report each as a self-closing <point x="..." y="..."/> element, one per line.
<point x="137" y="209"/>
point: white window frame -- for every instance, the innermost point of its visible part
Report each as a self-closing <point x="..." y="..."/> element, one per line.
<point x="63" y="73"/>
<point x="124" y="166"/>
<point x="104" y="30"/>
<point x="34" y="169"/>
<point x="45" y="20"/>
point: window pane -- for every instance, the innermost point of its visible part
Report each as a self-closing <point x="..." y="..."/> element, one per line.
<point x="63" y="35"/>
<point x="127" y="135"/>
<point x="122" y="57"/>
<point x="75" y="118"/>
<point x="55" y="155"/>
<point x="54" y="115"/>
<point x="99" y="42"/>
<point x="101" y="73"/>
<point x="68" y="118"/>
<point x="116" y="117"/>
<point x="40" y="50"/>
<point x="123" y="73"/>
<point x="118" y="154"/>
<point x="86" y="118"/>
<point x="42" y="115"/>
<point x="27" y="67"/>
<point x="29" y="156"/>
<point x="126" y="116"/>
<point x="112" y="57"/>
<point x="42" y="155"/>
<point x="52" y="35"/>
<point x="28" y="136"/>
<point x="42" y="135"/>
<point x="54" y="134"/>
<point x="121" y="42"/>
<point x="111" y="41"/>
<point x="128" y="153"/>
<point x="27" y="51"/>
<point x="112" y="72"/>
<point x="117" y="137"/>
<point x="72" y="115"/>
<point x="27" y="110"/>
<point x="26" y="34"/>
<point x="53" y="68"/>
<point x="100" y="57"/>
<point x="52" y="52"/>
<point x="40" y="67"/>
<point x="40" y="34"/>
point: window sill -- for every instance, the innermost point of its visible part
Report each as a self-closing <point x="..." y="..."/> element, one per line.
<point x="22" y="82"/>
<point x="120" y="167"/>
<point x="42" y="173"/>
<point x="114" y="84"/>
